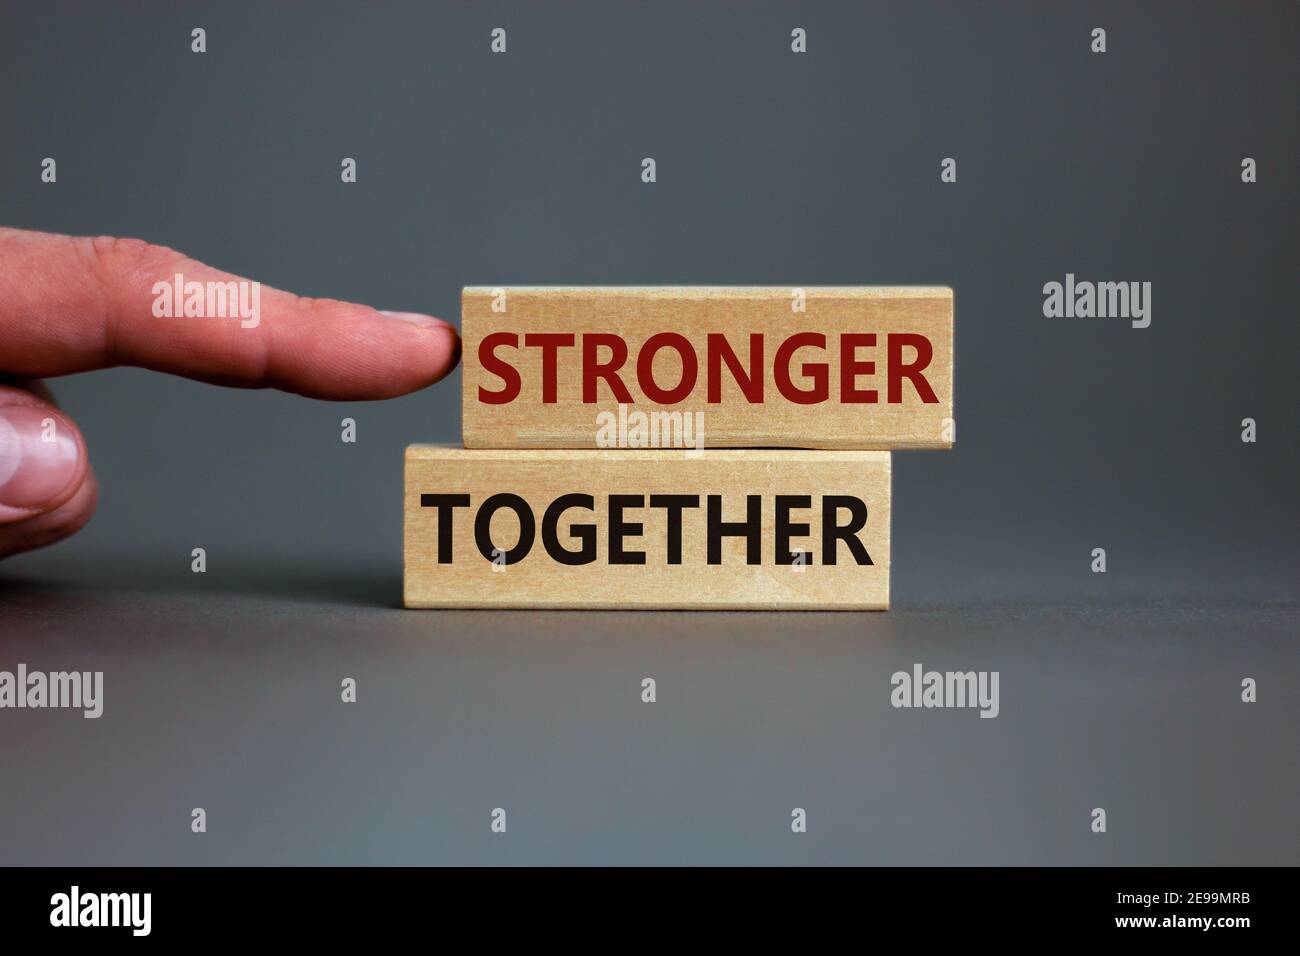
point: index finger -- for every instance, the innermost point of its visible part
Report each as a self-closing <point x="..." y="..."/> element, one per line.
<point x="72" y="304"/>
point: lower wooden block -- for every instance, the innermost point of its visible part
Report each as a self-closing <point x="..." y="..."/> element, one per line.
<point x="644" y="529"/>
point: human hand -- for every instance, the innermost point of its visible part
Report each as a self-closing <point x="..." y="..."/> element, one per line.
<point x="72" y="304"/>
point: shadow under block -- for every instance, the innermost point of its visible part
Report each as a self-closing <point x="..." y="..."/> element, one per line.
<point x="646" y="529"/>
<point x="752" y="367"/>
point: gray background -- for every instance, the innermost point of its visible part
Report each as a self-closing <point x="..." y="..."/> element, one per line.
<point x="1118" y="690"/>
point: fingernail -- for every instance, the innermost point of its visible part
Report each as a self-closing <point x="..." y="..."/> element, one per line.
<point x="415" y="318"/>
<point x="39" y="456"/>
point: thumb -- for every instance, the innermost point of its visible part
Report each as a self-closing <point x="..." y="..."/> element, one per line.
<point x="47" y="490"/>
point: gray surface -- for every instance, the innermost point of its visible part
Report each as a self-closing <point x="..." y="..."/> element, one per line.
<point x="226" y="697"/>
<point x="1118" y="690"/>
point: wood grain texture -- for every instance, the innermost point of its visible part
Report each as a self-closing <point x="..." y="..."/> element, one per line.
<point x="453" y="572"/>
<point x="861" y="409"/>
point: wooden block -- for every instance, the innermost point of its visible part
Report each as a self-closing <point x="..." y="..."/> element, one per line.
<point x="497" y="529"/>
<point x="863" y="368"/>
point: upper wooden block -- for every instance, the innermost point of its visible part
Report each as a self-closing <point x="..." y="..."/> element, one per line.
<point x="817" y="367"/>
